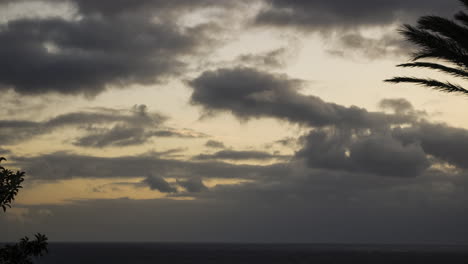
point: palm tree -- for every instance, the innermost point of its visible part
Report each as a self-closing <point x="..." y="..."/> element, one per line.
<point x="443" y="40"/>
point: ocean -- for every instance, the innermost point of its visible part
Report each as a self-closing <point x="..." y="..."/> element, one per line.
<point x="206" y="253"/>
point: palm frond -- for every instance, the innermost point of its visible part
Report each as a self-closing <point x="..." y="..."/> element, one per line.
<point x="435" y="66"/>
<point x="434" y="46"/>
<point x="440" y="39"/>
<point x="465" y="3"/>
<point x="446" y="28"/>
<point x="431" y="83"/>
<point x="462" y="17"/>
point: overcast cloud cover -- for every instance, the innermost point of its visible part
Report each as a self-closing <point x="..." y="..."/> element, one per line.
<point x="389" y="176"/>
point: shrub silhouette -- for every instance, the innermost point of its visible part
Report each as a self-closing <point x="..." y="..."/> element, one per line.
<point x="21" y="252"/>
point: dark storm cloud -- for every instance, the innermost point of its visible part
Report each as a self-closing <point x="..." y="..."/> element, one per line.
<point x="239" y="155"/>
<point x="249" y="93"/>
<point x="88" y="55"/>
<point x="214" y="144"/>
<point x="342" y="14"/>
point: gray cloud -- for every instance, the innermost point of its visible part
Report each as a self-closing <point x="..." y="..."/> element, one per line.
<point x="193" y="185"/>
<point x="103" y="127"/>
<point x="349" y="139"/>
<point x="384" y="155"/>
<point x="62" y="165"/>
<point x="124" y="135"/>
<point x="240" y="155"/>
<point x="4" y="151"/>
<point x="214" y="144"/>
<point x="341" y="14"/>
<point x="160" y="184"/>
<point x="111" y="7"/>
<point x="116" y="136"/>
<point x="398" y="105"/>
<point x="446" y="143"/>
<point x="247" y="93"/>
<point x="357" y="45"/>
<point x="88" y="55"/>
<point x="349" y="18"/>
<point x="377" y="153"/>
<point x="270" y="59"/>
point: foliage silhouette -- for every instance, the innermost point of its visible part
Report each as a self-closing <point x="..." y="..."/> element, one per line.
<point x="19" y="253"/>
<point x="443" y="40"/>
<point x="10" y="183"/>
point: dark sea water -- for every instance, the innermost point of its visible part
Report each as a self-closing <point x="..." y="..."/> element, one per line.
<point x="178" y="253"/>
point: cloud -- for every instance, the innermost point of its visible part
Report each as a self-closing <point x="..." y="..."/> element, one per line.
<point x="63" y="165"/>
<point x="376" y="153"/>
<point x="239" y="155"/>
<point x="102" y="127"/>
<point x="446" y="143"/>
<point x="342" y="138"/>
<point x="193" y="185"/>
<point x="160" y="184"/>
<point x="345" y="24"/>
<point x="341" y="14"/>
<point x="398" y="105"/>
<point x="249" y="93"/>
<point x="214" y="144"/>
<point x="4" y="151"/>
<point x="357" y="45"/>
<point x="90" y="54"/>
<point x="270" y="59"/>
<point x="124" y="135"/>
<point x="113" y="8"/>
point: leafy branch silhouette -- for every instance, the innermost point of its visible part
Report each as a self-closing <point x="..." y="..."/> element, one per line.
<point x="21" y="252"/>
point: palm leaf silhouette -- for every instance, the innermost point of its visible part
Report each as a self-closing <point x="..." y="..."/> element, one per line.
<point x="443" y="40"/>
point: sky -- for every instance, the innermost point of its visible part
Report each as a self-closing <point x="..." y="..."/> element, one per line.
<point x="227" y="121"/>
